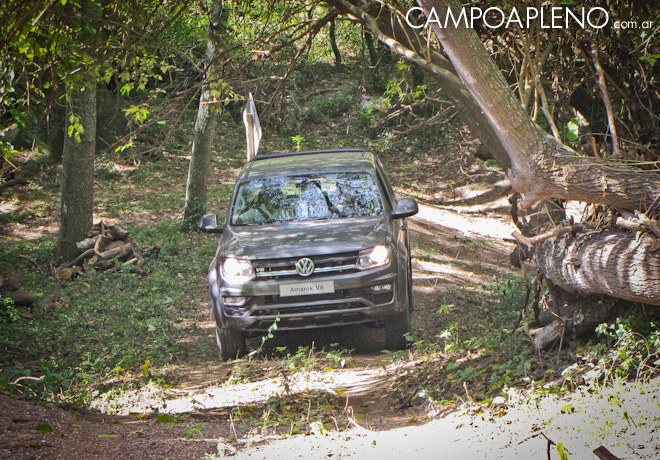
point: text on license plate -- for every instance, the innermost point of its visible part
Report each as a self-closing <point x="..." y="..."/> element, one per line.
<point x="310" y="288"/>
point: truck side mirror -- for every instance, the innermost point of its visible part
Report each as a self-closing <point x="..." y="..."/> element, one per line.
<point x="405" y="207"/>
<point x="209" y="224"/>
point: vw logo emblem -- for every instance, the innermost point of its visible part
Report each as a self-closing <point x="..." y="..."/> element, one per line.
<point x="305" y="267"/>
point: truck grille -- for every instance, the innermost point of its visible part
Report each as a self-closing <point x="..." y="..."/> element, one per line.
<point x="278" y="268"/>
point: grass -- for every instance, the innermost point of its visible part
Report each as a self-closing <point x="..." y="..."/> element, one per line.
<point x="119" y="320"/>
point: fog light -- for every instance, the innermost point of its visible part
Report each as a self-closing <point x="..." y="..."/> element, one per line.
<point x="234" y="301"/>
<point x="382" y="287"/>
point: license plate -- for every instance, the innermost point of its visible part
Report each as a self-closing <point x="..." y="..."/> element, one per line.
<point x="310" y="288"/>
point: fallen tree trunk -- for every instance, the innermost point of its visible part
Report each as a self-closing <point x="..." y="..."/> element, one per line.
<point x="613" y="263"/>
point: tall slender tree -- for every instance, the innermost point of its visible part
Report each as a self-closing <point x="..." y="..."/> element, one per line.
<point x="200" y="160"/>
<point x="63" y="50"/>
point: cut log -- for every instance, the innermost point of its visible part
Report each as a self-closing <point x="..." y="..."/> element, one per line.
<point x="105" y="248"/>
<point x="99" y="246"/>
<point x="105" y="264"/>
<point x="113" y="245"/>
<point x="64" y="273"/>
<point x="119" y="233"/>
<point x="83" y="257"/>
<point x="87" y="243"/>
<point x="21" y="298"/>
<point x="122" y="252"/>
<point x="584" y="263"/>
<point x="605" y="454"/>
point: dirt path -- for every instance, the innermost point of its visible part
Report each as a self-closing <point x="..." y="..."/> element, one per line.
<point x="520" y="427"/>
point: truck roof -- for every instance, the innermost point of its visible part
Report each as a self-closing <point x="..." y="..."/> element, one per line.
<point x="308" y="162"/>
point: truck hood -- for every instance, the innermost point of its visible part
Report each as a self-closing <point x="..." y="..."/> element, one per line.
<point x="297" y="239"/>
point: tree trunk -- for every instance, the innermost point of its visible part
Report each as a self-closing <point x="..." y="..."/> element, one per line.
<point x="371" y="49"/>
<point x="335" y="49"/>
<point x="55" y="124"/>
<point x="77" y="204"/>
<point x="204" y="125"/>
<point x="607" y="262"/>
<point x="540" y="167"/>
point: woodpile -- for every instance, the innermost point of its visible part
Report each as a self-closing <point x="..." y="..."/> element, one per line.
<point x="107" y="248"/>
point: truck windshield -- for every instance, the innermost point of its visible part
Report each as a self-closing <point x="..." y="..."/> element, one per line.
<point x="306" y="198"/>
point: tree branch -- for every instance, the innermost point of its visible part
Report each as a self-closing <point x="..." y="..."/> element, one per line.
<point x="606" y="100"/>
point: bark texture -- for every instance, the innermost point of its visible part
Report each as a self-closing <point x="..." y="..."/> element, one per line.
<point x="204" y="125"/>
<point x="607" y="262"/>
<point x="77" y="204"/>
<point x="333" y="43"/>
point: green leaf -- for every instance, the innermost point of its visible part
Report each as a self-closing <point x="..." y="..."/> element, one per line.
<point x="563" y="453"/>
<point x="44" y="428"/>
<point x="573" y="130"/>
<point x="162" y="418"/>
<point x="107" y="436"/>
<point x="145" y="368"/>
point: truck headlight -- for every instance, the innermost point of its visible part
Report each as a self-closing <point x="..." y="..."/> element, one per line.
<point x="374" y="257"/>
<point x="236" y="270"/>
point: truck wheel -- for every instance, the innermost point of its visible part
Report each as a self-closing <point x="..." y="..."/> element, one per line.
<point x="231" y="344"/>
<point x="397" y="328"/>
